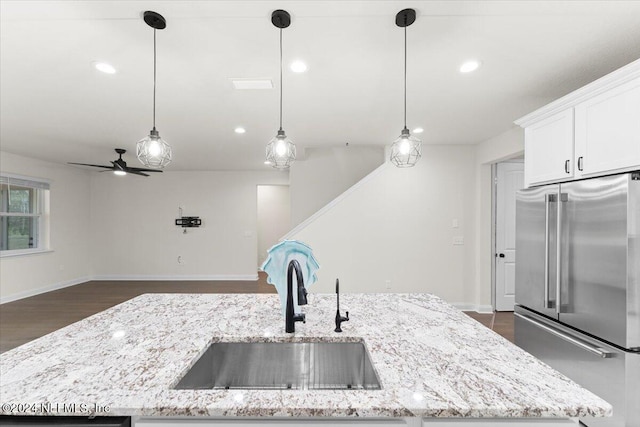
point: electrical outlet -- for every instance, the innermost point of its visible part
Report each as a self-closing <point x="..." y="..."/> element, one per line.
<point x="455" y="223"/>
<point x="458" y="240"/>
<point x="387" y="284"/>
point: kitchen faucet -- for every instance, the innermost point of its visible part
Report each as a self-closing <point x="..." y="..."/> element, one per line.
<point x="290" y="317"/>
<point x="339" y="318"/>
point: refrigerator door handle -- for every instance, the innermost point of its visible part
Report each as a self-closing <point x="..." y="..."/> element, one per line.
<point x="601" y="352"/>
<point x="563" y="198"/>
<point x="548" y="198"/>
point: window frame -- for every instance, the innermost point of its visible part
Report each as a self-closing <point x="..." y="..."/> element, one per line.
<point x="41" y="201"/>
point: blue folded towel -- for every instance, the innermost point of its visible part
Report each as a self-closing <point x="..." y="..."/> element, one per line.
<point x="276" y="268"/>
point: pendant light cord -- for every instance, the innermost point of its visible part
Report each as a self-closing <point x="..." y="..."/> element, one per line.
<point x="405" y="75"/>
<point x="280" y="78"/>
<point x="154" y="78"/>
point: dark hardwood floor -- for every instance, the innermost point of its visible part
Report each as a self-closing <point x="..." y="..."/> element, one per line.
<point x="30" y="318"/>
<point x="500" y="321"/>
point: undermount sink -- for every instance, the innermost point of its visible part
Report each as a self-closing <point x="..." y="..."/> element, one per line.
<point x="283" y="365"/>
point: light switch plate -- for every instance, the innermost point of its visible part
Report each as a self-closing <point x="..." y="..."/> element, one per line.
<point x="458" y="240"/>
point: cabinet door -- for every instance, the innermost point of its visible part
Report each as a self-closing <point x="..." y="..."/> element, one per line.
<point x="548" y="149"/>
<point x="608" y="131"/>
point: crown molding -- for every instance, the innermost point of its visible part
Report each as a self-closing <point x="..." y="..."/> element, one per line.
<point x="616" y="78"/>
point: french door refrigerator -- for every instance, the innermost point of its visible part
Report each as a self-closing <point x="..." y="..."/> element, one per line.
<point x="578" y="286"/>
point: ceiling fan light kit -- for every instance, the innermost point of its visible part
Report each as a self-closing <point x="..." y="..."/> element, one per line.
<point x="280" y="151"/>
<point x="406" y="150"/>
<point x="153" y="151"/>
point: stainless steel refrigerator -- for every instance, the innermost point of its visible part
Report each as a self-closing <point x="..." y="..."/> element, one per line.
<point x="578" y="286"/>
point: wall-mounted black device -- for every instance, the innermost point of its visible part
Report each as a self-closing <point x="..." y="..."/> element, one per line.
<point x="189" y="221"/>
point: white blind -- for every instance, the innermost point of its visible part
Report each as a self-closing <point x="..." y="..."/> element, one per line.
<point x="23" y="181"/>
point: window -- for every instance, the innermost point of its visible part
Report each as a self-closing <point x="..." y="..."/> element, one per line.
<point x="24" y="209"/>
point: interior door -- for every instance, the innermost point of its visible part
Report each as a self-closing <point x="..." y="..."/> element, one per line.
<point x="510" y="179"/>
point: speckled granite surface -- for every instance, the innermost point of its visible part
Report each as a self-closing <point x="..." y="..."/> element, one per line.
<point x="432" y="361"/>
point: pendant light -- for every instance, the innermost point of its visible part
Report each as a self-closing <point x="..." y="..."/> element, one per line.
<point x="407" y="149"/>
<point x="281" y="151"/>
<point x="152" y="150"/>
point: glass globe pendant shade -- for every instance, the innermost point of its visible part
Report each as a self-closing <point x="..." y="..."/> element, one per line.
<point x="153" y="151"/>
<point x="406" y="150"/>
<point x="281" y="151"/>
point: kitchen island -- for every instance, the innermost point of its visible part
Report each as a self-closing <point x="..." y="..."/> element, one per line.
<point x="432" y="361"/>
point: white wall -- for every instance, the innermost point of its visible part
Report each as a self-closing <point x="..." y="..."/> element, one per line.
<point x="324" y="173"/>
<point x="135" y="236"/>
<point x="504" y="146"/>
<point x="274" y="217"/>
<point x="507" y="145"/>
<point x="69" y="261"/>
<point x="397" y="225"/>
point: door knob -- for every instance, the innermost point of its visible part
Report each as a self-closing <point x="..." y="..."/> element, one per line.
<point x="500" y="255"/>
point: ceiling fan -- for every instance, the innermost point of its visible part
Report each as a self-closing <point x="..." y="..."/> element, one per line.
<point x="119" y="167"/>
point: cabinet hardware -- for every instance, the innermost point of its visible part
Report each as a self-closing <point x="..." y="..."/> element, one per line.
<point x="566" y="166"/>
<point x="580" y="163"/>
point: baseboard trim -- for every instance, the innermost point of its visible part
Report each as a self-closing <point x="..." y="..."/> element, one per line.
<point x="44" y="289"/>
<point x="193" y="277"/>
<point x="472" y="307"/>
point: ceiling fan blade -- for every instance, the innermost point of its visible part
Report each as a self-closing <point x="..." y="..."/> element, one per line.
<point x="143" y="170"/>
<point x="93" y="166"/>
<point x="137" y="173"/>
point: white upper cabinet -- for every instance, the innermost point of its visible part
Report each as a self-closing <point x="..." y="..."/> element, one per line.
<point x="548" y="149"/>
<point x="608" y="131"/>
<point x="593" y="131"/>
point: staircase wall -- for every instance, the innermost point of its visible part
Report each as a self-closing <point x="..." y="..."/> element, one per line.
<point x="325" y="173"/>
<point x="394" y="230"/>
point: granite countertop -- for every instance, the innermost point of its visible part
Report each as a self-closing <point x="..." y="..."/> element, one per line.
<point x="432" y="361"/>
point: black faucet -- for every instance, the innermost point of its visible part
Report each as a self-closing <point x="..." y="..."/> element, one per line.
<point x="339" y="317"/>
<point x="290" y="317"/>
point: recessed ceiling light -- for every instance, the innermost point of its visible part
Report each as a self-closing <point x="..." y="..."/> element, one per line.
<point x="267" y="162"/>
<point x="252" y="83"/>
<point x="298" y="66"/>
<point x="104" y="67"/>
<point x="418" y="130"/>
<point x="469" y="66"/>
<point x="239" y="130"/>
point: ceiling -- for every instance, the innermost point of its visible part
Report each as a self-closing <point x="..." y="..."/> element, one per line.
<point x="56" y="106"/>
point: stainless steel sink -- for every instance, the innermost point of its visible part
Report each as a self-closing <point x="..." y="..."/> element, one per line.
<point x="283" y="365"/>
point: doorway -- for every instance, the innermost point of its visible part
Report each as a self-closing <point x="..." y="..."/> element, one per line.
<point x="509" y="178"/>
<point x="274" y="217"/>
